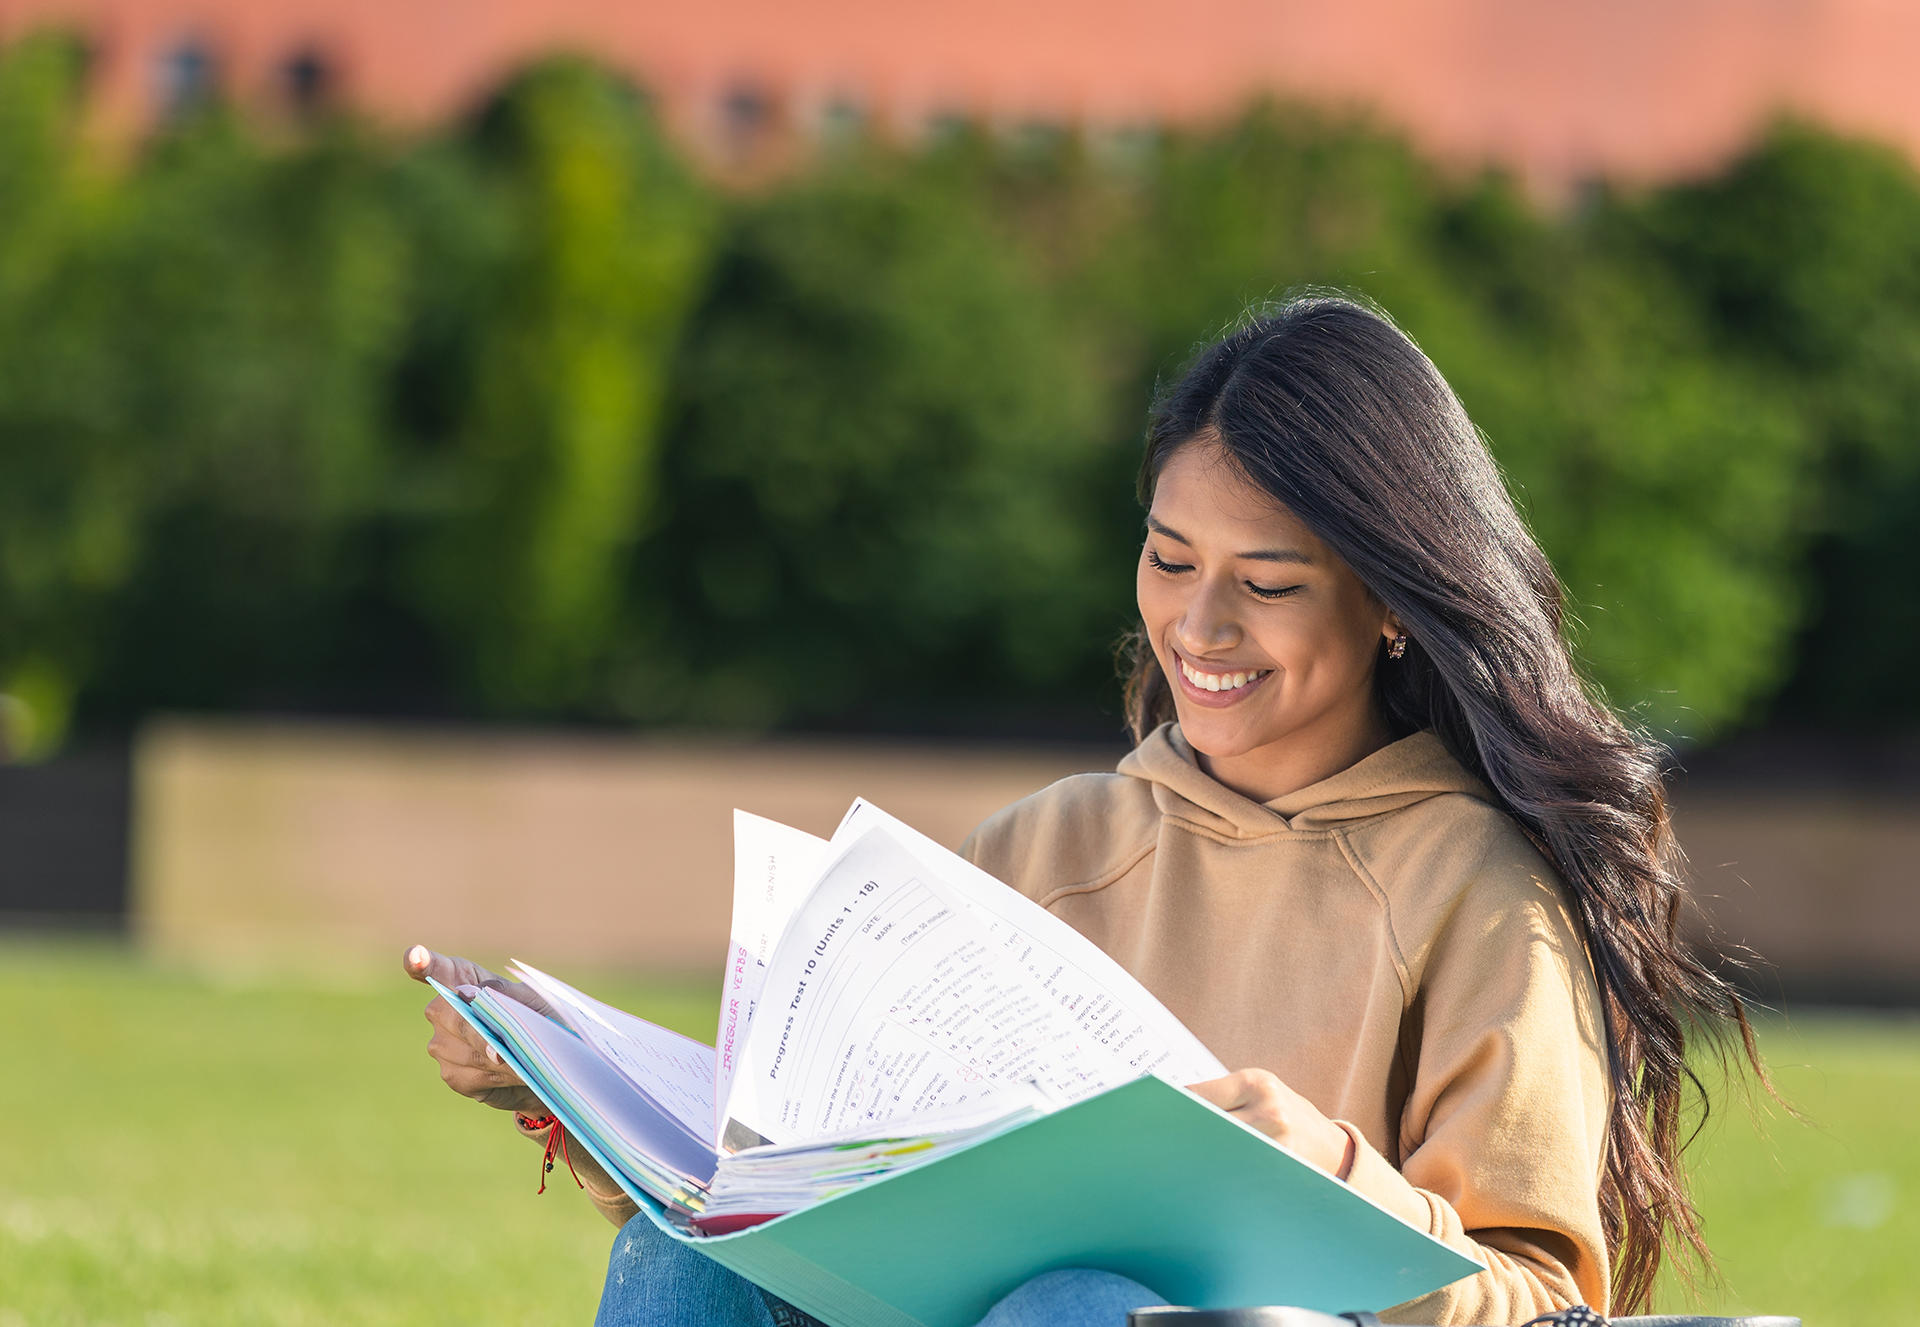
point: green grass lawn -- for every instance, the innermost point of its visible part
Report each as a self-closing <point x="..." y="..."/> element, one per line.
<point x="177" y="1153"/>
<point x="1820" y="1218"/>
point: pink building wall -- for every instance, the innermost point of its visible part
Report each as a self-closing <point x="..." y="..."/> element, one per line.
<point x="1558" y="89"/>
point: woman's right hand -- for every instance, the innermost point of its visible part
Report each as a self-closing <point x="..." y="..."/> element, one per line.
<point x="467" y="1064"/>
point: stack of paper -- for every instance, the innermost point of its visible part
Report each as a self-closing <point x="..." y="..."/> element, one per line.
<point x="596" y="1102"/>
<point x="882" y="992"/>
<point x="674" y="1073"/>
<point x="763" y="1182"/>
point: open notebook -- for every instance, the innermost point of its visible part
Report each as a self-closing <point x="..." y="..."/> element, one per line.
<point x="928" y="1089"/>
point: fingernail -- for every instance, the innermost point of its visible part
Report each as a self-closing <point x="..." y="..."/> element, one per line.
<point x="418" y="957"/>
<point x="494" y="1055"/>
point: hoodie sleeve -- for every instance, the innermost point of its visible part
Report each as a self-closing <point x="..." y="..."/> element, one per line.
<point x="1503" y="1137"/>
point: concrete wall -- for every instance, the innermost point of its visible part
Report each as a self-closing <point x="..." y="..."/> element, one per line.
<point x="258" y="846"/>
<point x="1823" y="886"/>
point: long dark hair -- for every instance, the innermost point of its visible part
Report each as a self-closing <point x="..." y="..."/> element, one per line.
<point x="1334" y="411"/>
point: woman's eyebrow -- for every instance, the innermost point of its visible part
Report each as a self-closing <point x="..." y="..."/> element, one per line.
<point x="1258" y="555"/>
<point x="1278" y="555"/>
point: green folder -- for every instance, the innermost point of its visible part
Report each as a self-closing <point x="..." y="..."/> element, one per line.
<point x="1145" y="1180"/>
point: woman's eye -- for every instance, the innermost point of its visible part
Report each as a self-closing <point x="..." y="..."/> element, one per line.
<point x="1272" y="592"/>
<point x="1161" y="564"/>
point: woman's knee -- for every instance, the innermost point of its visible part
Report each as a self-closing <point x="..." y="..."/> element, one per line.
<point x="653" y="1280"/>
<point x="1071" y="1297"/>
<point x="642" y="1249"/>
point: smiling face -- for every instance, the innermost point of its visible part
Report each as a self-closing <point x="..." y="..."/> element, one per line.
<point x="1267" y="638"/>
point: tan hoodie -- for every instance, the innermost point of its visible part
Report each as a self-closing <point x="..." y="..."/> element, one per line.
<point x="1392" y="947"/>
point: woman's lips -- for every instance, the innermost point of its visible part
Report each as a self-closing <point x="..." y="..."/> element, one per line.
<point x="1217" y="700"/>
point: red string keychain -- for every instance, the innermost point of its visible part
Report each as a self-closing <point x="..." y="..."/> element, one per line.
<point x="556" y="1143"/>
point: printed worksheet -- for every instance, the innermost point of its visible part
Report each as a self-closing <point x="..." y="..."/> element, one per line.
<point x="674" y="1072"/>
<point x="774" y="865"/>
<point x="1102" y="998"/>
<point x="888" y="996"/>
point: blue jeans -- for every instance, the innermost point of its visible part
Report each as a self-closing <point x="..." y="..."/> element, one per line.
<point x="655" y="1281"/>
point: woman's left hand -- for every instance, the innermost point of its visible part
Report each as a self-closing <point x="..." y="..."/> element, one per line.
<point x="1260" y="1100"/>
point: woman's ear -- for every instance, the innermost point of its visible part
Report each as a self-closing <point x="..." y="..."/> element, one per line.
<point x="1391" y="627"/>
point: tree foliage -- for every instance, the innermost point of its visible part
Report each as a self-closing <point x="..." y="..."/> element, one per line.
<point x="70" y="483"/>
<point x="1804" y="260"/>
<point x="875" y="471"/>
<point x="524" y="419"/>
<point x="599" y="244"/>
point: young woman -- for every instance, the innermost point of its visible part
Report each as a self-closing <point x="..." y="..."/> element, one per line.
<point x="1377" y="843"/>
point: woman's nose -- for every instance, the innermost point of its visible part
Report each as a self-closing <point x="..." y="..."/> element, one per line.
<point x="1209" y="623"/>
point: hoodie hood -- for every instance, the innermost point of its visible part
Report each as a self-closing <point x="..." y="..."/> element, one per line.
<point x="1398" y="775"/>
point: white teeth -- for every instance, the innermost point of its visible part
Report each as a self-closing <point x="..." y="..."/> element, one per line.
<point x="1219" y="681"/>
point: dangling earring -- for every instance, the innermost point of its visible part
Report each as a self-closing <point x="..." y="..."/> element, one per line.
<point x="1399" y="646"/>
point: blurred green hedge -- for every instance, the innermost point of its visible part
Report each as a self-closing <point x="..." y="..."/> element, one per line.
<point x="527" y="420"/>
